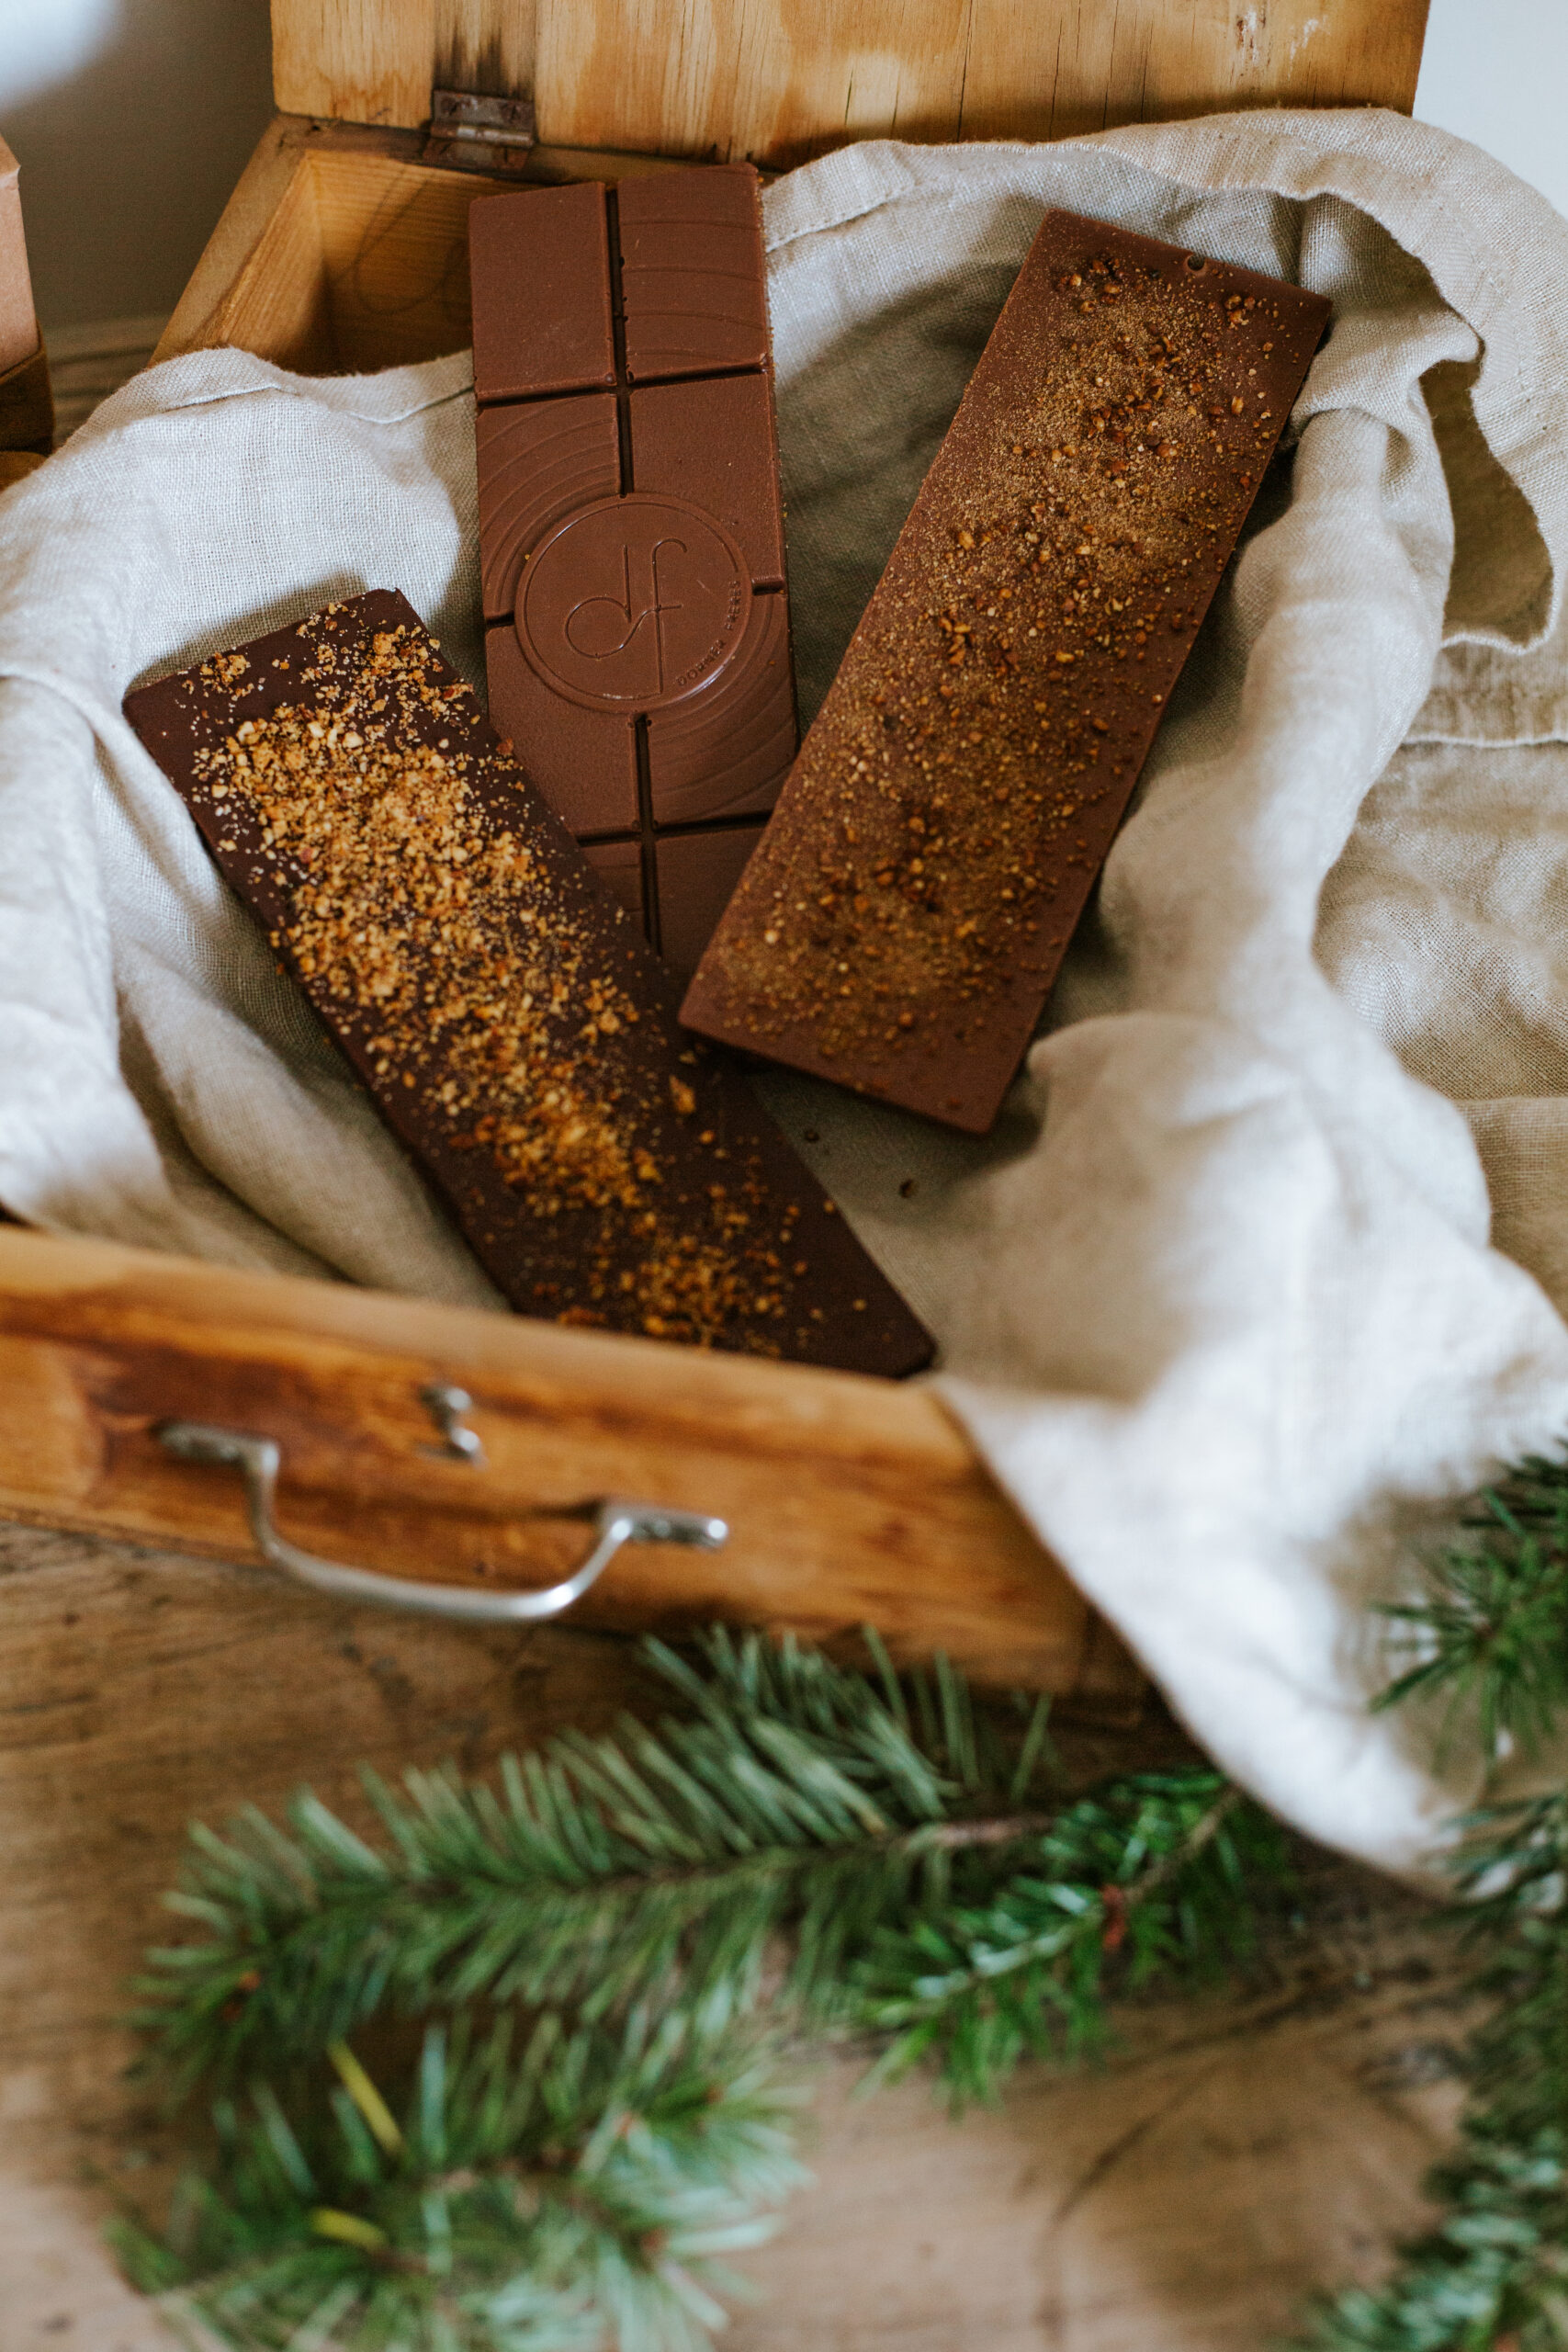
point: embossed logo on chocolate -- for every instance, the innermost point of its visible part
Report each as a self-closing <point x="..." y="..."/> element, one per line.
<point x="633" y="603"/>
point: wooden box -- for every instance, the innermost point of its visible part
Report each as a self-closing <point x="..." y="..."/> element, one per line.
<point x="847" y="1499"/>
<point x="26" y="410"/>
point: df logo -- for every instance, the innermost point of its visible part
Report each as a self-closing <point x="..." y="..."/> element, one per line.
<point x="633" y="603"/>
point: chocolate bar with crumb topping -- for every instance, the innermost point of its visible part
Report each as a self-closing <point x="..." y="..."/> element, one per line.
<point x="513" y="1028"/>
<point x="902" y="921"/>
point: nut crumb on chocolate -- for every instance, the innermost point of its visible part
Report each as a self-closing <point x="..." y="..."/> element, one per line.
<point x="511" y="1027"/>
<point x="899" y="925"/>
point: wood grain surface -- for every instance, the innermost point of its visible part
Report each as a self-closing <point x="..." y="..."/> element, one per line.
<point x="339" y="251"/>
<point x="781" y="80"/>
<point x="1238" y="2151"/>
<point x="850" y="1501"/>
<point x="362" y="60"/>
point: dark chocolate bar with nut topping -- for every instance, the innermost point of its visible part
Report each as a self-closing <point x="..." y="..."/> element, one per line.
<point x="512" y="1026"/>
<point x="901" y="922"/>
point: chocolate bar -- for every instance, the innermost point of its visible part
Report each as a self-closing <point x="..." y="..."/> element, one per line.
<point x="903" y="920"/>
<point x="631" y="536"/>
<point x="511" y="1027"/>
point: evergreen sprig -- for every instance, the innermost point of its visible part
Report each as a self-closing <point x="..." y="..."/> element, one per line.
<point x="653" y="1864"/>
<point x="1156" y="1873"/>
<point x="1495" y="2271"/>
<point x="585" y="2190"/>
<point x="876" y="1853"/>
<point x="1493" y="2275"/>
<point x="1490" y="1637"/>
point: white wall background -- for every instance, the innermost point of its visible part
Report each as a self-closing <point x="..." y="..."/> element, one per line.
<point x="132" y="120"/>
<point x="1497" y="72"/>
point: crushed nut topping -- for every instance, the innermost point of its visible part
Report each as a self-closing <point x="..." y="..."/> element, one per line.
<point x="437" y="938"/>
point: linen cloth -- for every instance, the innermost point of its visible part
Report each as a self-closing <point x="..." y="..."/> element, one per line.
<point x="1262" y="1266"/>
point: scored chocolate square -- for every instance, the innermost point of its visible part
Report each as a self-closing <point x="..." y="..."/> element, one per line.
<point x="631" y="534"/>
<point x="901" y="924"/>
<point x="508" y="1020"/>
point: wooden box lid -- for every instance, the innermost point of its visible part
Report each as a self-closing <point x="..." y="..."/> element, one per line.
<point x="778" y="81"/>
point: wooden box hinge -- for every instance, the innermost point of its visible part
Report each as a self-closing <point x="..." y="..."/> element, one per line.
<point x="471" y="132"/>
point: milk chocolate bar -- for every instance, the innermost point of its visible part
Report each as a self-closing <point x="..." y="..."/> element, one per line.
<point x="512" y="1026"/>
<point x="631" y="536"/>
<point x="903" y="920"/>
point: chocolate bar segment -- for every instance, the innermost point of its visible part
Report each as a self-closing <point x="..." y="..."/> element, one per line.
<point x="696" y="871"/>
<point x="592" y="755"/>
<point x="903" y="919"/>
<point x="692" y="279"/>
<point x="698" y="442"/>
<point x="618" y="866"/>
<point x="545" y="325"/>
<point x="511" y="1027"/>
<point x="721" y="755"/>
<point x="538" y="461"/>
<point x="632" y="541"/>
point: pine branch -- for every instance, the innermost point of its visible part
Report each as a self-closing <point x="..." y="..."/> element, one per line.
<point x="933" y="1882"/>
<point x="1495" y="2271"/>
<point x="585" y="2190"/>
<point x="656" y="1863"/>
<point x="1493" y="1638"/>
<point x="1492" y="2278"/>
<point x="1156" y="1875"/>
<point x="1493" y="2275"/>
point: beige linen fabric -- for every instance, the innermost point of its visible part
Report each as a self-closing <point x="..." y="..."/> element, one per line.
<point x="1219" y="1299"/>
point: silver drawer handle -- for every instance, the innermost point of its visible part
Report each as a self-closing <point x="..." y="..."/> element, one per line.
<point x="615" y="1522"/>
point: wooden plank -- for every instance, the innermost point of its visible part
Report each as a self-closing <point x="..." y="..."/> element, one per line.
<point x="361" y="61"/>
<point x="1068" y="66"/>
<point x="280" y="303"/>
<point x="774" y="80"/>
<point x="482" y="46"/>
<point x="339" y="250"/>
<point x="781" y="80"/>
<point x="850" y="1501"/>
<point x="1239" y="2150"/>
<point x="394" y="243"/>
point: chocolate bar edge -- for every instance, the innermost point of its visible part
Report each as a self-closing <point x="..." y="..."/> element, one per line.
<point x="911" y="1346"/>
<point x="708" y="1008"/>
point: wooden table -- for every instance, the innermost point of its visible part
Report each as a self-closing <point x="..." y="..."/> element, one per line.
<point x="1240" y="2150"/>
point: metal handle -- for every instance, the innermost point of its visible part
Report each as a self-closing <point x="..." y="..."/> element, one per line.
<point x="615" y="1524"/>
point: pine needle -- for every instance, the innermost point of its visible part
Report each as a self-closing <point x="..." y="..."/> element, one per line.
<point x="1493" y="2275"/>
<point x="592" y="2193"/>
<point x="601" y="1874"/>
<point x="590" y="2129"/>
<point x="1490" y="1640"/>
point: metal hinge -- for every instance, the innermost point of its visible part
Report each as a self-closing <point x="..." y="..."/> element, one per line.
<point x="470" y="132"/>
